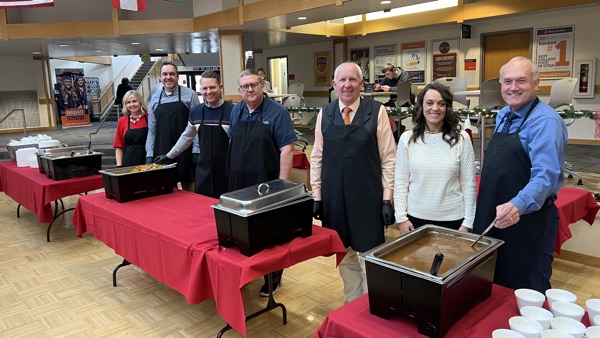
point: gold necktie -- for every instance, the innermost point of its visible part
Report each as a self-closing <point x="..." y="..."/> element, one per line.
<point x="346" y="114"/>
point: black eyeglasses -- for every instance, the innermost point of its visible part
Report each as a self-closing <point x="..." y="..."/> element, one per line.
<point x="245" y="87"/>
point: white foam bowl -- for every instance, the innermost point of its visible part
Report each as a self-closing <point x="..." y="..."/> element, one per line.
<point x="593" y="309"/>
<point x="595" y="320"/>
<point x="528" y="327"/>
<point x="505" y="333"/>
<point x="592" y="332"/>
<point x="568" y="325"/>
<point x="569" y="310"/>
<point x="528" y="297"/>
<point x="555" y="334"/>
<point x="538" y="314"/>
<point x="560" y="295"/>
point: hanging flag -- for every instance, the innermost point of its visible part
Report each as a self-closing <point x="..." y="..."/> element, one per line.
<point x="7" y="4"/>
<point x="130" y="5"/>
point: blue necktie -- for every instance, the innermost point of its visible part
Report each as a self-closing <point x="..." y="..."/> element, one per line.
<point x="508" y="121"/>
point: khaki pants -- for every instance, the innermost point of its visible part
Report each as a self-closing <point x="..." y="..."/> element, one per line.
<point x="352" y="271"/>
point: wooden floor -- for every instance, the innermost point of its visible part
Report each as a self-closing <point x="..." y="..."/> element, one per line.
<point x="64" y="289"/>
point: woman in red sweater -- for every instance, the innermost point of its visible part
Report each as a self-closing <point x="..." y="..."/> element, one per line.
<point x="132" y="130"/>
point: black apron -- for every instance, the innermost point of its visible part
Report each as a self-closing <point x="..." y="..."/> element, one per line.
<point x="253" y="156"/>
<point x="171" y="121"/>
<point x="351" y="186"/>
<point x="523" y="258"/>
<point x="135" y="145"/>
<point x="211" y="168"/>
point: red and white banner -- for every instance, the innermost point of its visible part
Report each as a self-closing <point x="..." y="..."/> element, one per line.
<point x="130" y="5"/>
<point x="7" y="4"/>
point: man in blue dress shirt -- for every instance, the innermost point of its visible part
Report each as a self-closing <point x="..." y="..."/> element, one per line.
<point x="520" y="179"/>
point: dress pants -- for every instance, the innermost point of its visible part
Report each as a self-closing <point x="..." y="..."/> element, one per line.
<point x="352" y="271"/>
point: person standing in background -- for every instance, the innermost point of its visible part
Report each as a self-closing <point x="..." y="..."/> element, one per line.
<point x="266" y="84"/>
<point x="520" y="178"/>
<point x="123" y="88"/>
<point x="435" y="167"/>
<point x="167" y="119"/>
<point x="352" y="173"/>
<point x="262" y="144"/>
<point x="210" y="121"/>
<point x="132" y="131"/>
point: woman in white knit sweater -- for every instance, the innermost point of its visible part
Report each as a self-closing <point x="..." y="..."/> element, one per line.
<point x="435" y="170"/>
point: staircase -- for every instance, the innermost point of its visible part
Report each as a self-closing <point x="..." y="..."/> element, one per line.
<point x="135" y="83"/>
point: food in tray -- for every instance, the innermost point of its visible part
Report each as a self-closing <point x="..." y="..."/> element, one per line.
<point x="146" y="167"/>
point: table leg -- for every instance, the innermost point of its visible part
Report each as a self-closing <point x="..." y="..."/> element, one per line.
<point x="54" y="219"/>
<point x="124" y="263"/>
<point x="271" y="304"/>
<point x="18" y="209"/>
<point x="482" y="138"/>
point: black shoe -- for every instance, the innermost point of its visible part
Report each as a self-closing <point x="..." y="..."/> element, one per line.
<point x="264" y="290"/>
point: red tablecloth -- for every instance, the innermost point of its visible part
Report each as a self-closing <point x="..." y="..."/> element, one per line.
<point x="300" y="160"/>
<point x="354" y="320"/>
<point x="36" y="192"/>
<point x="174" y="239"/>
<point x="573" y="204"/>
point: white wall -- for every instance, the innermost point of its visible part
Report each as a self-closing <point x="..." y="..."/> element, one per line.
<point x="586" y="46"/>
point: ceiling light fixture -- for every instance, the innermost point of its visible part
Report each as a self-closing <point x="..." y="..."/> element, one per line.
<point x="97" y="51"/>
<point x="301" y="18"/>
<point x="386" y="2"/>
<point x="63" y="45"/>
<point x="37" y="53"/>
<point x="135" y="43"/>
<point x="159" y="49"/>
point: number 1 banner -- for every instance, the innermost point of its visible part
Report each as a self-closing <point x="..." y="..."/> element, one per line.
<point x="554" y="52"/>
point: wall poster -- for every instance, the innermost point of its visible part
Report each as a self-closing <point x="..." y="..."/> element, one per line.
<point x="322" y="61"/>
<point x="360" y="56"/>
<point x="383" y="54"/>
<point x="71" y="98"/>
<point x="414" y="56"/>
<point x="554" y="51"/>
<point x="444" y="55"/>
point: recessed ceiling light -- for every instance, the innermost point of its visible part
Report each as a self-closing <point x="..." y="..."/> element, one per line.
<point x="37" y="53"/>
<point x="97" y="51"/>
<point x="387" y="2"/>
<point x="301" y="18"/>
<point x="135" y="43"/>
<point x="159" y="49"/>
<point x="63" y="45"/>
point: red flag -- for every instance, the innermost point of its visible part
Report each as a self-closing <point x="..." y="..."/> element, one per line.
<point x="130" y="5"/>
<point x="8" y="4"/>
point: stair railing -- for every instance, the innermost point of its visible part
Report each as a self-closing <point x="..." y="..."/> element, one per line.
<point x="22" y="113"/>
<point x="102" y="120"/>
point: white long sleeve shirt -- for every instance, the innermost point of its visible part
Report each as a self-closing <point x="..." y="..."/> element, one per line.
<point x="434" y="181"/>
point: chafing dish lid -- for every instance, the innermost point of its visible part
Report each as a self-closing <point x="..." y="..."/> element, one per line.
<point x="69" y="154"/>
<point x="261" y="197"/>
<point x="62" y="150"/>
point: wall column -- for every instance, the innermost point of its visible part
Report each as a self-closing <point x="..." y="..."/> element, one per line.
<point x="231" y="58"/>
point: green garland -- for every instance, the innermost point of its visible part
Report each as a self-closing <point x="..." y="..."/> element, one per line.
<point x="407" y="112"/>
<point x="404" y="112"/>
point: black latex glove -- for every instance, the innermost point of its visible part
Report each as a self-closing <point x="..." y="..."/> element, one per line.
<point x="149" y="160"/>
<point x="161" y="159"/>
<point x="195" y="157"/>
<point x="387" y="211"/>
<point x="317" y="209"/>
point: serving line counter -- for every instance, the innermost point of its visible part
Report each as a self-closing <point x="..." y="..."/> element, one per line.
<point x="33" y="190"/>
<point x="354" y="319"/>
<point x="174" y="239"/>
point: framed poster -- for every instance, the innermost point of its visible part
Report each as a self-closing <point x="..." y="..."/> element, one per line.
<point x="322" y="61"/>
<point x="554" y="52"/>
<point x="383" y="54"/>
<point x="585" y="72"/>
<point x="360" y="56"/>
<point x="444" y="57"/>
<point x="414" y="56"/>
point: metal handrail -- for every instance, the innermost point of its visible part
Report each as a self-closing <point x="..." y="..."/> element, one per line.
<point x="24" y="121"/>
<point x="102" y="120"/>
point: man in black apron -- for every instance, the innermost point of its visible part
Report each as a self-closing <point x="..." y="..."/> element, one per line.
<point x="210" y="121"/>
<point x="167" y="119"/>
<point x="262" y="143"/>
<point x="352" y="173"/>
<point x="520" y="179"/>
